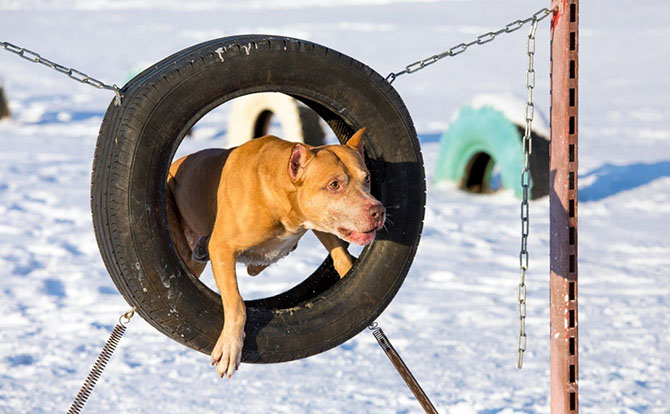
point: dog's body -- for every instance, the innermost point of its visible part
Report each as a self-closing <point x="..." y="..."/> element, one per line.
<point x="254" y="202"/>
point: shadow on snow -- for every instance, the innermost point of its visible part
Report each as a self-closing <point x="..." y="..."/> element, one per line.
<point x="612" y="179"/>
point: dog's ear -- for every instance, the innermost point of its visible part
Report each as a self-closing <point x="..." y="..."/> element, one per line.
<point x="300" y="156"/>
<point x="356" y="141"/>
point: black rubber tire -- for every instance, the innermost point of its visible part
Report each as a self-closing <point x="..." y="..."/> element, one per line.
<point x="136" y="145"/>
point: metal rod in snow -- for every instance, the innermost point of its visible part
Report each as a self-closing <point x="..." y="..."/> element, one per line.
<point x="404" y="371"/>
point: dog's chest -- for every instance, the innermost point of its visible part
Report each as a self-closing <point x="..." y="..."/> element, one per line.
<point x="269" y="251"/>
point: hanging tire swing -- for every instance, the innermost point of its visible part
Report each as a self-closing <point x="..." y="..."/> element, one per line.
<point x="136" y="145"/>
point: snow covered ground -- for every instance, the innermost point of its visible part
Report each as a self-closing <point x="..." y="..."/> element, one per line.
<point x="454" y="320"/>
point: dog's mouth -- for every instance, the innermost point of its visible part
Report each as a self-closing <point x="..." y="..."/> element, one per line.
<point x="361" y="238"/>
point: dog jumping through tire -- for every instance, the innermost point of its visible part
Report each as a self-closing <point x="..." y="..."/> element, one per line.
<point x="252" y="204"/>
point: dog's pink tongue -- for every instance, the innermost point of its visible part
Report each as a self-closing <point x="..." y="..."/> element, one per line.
<point x="361" y="238"/>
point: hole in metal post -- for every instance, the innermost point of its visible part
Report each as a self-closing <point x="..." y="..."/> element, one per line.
<point x="573" y="96"/>
<point x="572" y="319"/>
<point x="572" y="263"/>
<point x="571" y="291"/>
<point x="571" y="208"/>
<point x="573" y="373"/>
<point x="573" y="401"/>
<point x="573" y="13"/>
<point x="573" y="69"/>
<point x="571" y="346"/>
<point x="571" y="180"/>
<point x="571" y="153"/>
<point x="572" y="236"/>
<point x="573" y="41"/>
<point x="572" y="125"/>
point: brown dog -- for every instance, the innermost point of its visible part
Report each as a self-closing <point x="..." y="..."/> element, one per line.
<point x="252" y="204"/>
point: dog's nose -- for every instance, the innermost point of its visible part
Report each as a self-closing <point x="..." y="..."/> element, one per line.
<point x="376" y="211"/>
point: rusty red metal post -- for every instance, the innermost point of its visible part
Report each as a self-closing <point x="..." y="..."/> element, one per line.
<point x="563" y="207"/>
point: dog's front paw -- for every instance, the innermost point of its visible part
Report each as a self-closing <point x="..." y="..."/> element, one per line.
<point x="227" y="353"/>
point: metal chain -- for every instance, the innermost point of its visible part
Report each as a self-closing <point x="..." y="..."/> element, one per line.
<point x="72" y="73"/>
<point x="101" y="362"/>
<point x="527" y="141"/>
<point x="525" y="186"/>
<point x="460" y="48"/>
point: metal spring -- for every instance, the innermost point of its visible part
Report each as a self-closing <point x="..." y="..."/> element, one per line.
<point x="98" y="367"/>
<point x="382" y="339"/>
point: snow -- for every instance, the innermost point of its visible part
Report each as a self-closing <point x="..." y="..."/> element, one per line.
<point x="455" y="319"/>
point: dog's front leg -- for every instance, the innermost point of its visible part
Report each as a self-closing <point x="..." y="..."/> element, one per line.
<point x="227" y="352"/>
<point x="342" y="260"/>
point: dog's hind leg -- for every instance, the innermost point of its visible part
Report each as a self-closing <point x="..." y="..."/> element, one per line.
<point x="177" y="233"/>
<point x="254" y="270"/>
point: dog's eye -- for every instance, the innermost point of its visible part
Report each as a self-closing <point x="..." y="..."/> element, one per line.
<point x="334" y="185"/>
<point x="367" y="178"/>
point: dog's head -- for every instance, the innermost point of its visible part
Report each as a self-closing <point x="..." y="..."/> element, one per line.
<point x="333" y="190"/>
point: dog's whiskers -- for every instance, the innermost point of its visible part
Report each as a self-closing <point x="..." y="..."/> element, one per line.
<point x="387" y="221"/>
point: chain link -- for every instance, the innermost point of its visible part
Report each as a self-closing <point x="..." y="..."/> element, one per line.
<point x="72" y="73"/>
<point x="460" y="48"/>
<point x="125" y="318"/>
<point x="525" y="186"/>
